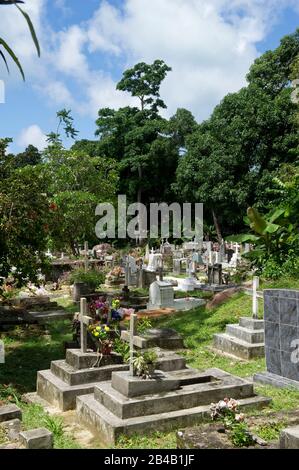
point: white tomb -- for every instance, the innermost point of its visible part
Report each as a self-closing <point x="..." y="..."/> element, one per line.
<point x="161" y="295"/>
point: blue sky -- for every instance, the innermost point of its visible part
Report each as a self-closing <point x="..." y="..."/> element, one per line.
<point x="87" y="44"/>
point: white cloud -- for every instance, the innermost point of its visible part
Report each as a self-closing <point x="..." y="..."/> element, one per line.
<point x="32" y="135"/>
<point x="210" y="46"/>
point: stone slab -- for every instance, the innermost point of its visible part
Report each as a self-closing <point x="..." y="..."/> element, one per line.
<point x="71" y="377"/>
<point x="12" y="428"/>
<point x="251" y="323"/>
<point x="246" y="334"/>
<point x="78" y="360"/>
<point x="289" y="438"/>
<point x="133" y="386"/>
<point x="236" y="347"/>
<point x="40" y="438"/>
<point x="267" y="378"/>
<point x="107" y="427"/>
<point x="202" y="391"/>
<point x="165" y="338"/>
<point x="9" y="412"/>
<point x="58" y="393"/>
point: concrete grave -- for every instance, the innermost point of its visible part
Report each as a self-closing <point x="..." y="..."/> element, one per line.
<point x="9" y="412"/>
<point x="170" y="399"/>
<point x="161" y="294"/>
<point x="244" y="341"/>
<point x="281" y="314"/>
<point x="289" y="438"/>
<point x="66" y="379"/>
<point x="165" y="338"/>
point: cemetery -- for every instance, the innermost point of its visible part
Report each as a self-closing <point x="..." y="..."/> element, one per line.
<point x="128" y="322"/>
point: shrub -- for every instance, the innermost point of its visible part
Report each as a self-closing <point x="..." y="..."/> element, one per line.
<point x="92" y="278"/>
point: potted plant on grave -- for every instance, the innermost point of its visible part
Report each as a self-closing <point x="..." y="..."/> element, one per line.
<point x="145" y="363"/>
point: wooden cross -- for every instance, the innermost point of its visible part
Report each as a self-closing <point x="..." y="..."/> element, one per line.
<point x="255" y="286"/>
<point x="133" y="329"/>
<point x="85" y="321"/>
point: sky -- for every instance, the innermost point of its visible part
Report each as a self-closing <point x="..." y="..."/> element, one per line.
<point x="87" y="44"/>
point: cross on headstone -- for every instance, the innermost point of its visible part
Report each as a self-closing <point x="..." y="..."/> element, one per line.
<point x="133" y="330"/>
<point x="85" y="321"/>
<point x="255" y="286"/>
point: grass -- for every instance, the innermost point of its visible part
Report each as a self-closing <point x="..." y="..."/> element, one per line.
<point x="283" y="283"/>
<point x="156" y="440"/>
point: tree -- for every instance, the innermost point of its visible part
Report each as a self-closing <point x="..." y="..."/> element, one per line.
<point x="231" y="158"/>
<point x="4" y="44"/>
<point x="144" y="81"/>
<point x="24" y="218"/>
<point x="139" y="138"/>
<point x="66" y="120"/>
<point x="77" y="184"/>
<point x="31" y="156"/>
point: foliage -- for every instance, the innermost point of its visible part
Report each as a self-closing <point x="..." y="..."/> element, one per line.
<point x="143" y="324"/>
<point x="24" y="223"/>
<point x="123" y="348"/>
<point x="144" y="81"/>
<point x="64" y="118"/>
<point x="93" y="278"/>
<point x="4" y="44"/>
<point x="232" y="157"/>
<point x="77" y="185"/>
<point x="142" y="361"/>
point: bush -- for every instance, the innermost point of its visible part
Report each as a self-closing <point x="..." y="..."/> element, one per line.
<point x="92" y="278"/>
<point x="275" y="268"/>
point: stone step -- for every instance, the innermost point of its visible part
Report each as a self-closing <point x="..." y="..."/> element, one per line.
<point x="238" y="348"/>
<point x="56" y="392"/>
<point x="251" y="323"/>
<point x="186" y="397"/>
<point x="169" y="361"/>
<point x="165" y="338"/>
<point x="9" y="412"/>
<point x="70" y="376"/>
<point x="245" y="334"/>
<point x="108" y="427"/>
<point x="78" y="360"/>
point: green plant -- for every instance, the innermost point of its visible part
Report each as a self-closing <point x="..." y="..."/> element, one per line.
<point x="240" y="436"/>
<point x="143" y="361"/>
<point x="143" y="324"/>
<point x="54" y="424"/>
<point x="123" y="348"/>
<point x="150" y="356"/>
<point x="92" y="278"/>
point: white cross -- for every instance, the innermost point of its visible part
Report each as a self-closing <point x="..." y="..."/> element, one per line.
<point x="85" y="321"/>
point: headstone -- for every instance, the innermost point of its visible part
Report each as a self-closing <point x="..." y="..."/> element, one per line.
<point x="86" y="256"/>
<point x="155" y="262"/>
<point x="161" y="295"/>
<point x="40" y="438"/>
<point x="281" y="307"/>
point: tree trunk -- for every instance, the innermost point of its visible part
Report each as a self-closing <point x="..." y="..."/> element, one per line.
<point x="217" y="227"/>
